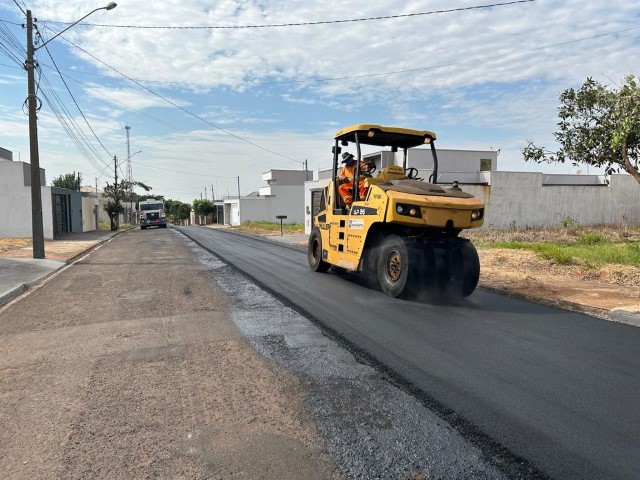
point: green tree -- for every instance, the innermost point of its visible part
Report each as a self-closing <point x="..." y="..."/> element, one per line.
<point x="203" y="208"/>
<point x="70" y="181"/>
<point x="176" y="210"/>
<point x="598" y="126"/>
<point x="117" y="193"/>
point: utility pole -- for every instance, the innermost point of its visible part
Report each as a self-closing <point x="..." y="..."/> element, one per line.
<point x="97" y="205"/>
<point x="306" y="170"/>
<point x="205" y="193"/>
<point x="37" y="229"/>
<point x="115" y="173"/>
<point x="129" y="172"/>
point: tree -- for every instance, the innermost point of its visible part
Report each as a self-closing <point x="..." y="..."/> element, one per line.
<point x="598" y="126"/>
<point x="203" y="208"/>
<point x="176" y="210"/>
<point x="70" y="181"/>
<point x="118" y="192"/>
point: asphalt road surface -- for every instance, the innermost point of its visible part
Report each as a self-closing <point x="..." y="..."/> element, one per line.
<point x="556" y="388"/>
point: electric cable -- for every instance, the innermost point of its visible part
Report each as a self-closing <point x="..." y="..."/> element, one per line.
<point x="178" y="106"/>
<point x="391" y="72"/>
<point x="21" y="9"/>
<point x="168" y="124"/>
<point x="303" y="24"/>
<point x="73" y="98"/>
<point x="178" y="171"/>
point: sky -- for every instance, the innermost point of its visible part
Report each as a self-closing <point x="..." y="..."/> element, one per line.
<point x="247" y="94"/>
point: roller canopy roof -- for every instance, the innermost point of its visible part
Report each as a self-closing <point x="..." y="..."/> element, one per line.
<point x="386" y="136"/>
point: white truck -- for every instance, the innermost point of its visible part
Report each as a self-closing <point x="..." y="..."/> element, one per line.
<point x="152" y="214"/>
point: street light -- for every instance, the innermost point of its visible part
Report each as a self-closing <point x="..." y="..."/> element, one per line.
<point x="37" y="229"/>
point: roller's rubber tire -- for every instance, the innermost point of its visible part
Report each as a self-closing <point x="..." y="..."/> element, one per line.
<point x="457" y="269"/>
<point x="314" y="252"/>
<point x="394" y="265"/>
<point x="471" y="268"/>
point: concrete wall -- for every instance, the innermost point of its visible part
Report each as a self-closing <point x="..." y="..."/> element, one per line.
<point x="286" y="177"/>
<point x="74" y="207"/>
<point x="453" y="165"/>
<point x="89" y="204"/>
<point x="15" y="201"/>
<point x="524" y="200"/>
<point x="287" y="200"/>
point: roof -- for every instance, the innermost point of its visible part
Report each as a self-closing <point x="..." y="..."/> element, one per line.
<point x="385" y="136"/>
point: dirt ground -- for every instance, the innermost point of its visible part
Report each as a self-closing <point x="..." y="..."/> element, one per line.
<point x="524" y="274"/>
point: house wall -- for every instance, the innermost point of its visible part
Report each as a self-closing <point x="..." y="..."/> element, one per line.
<point x="524" y="199"/>
<point x="89" y="203"/>
<point x="15" y="201"/>
<point x="287" y="200"/>
<point x="286" y="177"/>
<point x="74" y="205"/>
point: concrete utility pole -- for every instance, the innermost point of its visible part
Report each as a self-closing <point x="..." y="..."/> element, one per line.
<point x="238" y="192"/>
<point x="37" y="229"/>
<point x="205" y="193"/>
<point x="129" y="172"/>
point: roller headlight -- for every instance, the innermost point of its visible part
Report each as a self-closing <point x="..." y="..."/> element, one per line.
<point x="477" y="214"/>
<point x="409" y="210"/>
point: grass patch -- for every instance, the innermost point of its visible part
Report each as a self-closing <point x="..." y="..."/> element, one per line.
<point x="271" y="227"/>
<point x="590" y="250"/>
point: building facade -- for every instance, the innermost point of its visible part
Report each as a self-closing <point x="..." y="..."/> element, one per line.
<point x="281" y="196"/>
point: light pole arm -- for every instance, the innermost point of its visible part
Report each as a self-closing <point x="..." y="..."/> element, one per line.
<point x="110" y="6"/>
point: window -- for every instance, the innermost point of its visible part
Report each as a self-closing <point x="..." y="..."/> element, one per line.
<point x="485" y="165"/>
<point x="316" y="202"/>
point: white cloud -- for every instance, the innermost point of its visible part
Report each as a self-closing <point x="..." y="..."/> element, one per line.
<point x="479" y="78"/>
<point x="132" y="98"/>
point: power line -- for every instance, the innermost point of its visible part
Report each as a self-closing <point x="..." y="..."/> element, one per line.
<point x="178" y="171"/>
<point x="178" y="106"/>
<point x="302" y="24"/>
<point x="379" y="74"/>
<point x="74" y="100"/>
<point x="10" y="45"/>
<point x="161" y="121"/>
<point x="20" y="7"/>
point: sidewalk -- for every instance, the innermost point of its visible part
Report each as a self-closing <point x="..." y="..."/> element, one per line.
<point x="19" y="271"/>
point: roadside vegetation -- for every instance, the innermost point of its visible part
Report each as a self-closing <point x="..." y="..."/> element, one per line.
<point x="589" y="247"/>
<point x="267" y="228"/>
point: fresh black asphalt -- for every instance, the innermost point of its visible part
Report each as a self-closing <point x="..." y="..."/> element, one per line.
<point x="555" y="388"/>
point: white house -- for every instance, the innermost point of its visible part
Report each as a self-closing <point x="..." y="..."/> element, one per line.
<point x="63" y="211"/>
<point x="282" y="195"/>
<point x="15" y="199"/>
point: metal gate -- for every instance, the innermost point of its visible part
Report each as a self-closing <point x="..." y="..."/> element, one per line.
<point x="60" y="214"/>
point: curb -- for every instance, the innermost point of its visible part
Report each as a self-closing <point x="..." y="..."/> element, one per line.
<point x="15" y="292"/>
<point x="616" y="316"/>
<point x="18" y="290"/>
